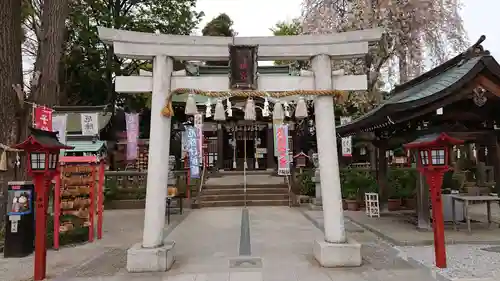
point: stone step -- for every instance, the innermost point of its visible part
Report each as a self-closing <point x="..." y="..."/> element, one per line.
<point x="248" y="172"/>
<point x="242" y="203"/>
<point x="241" y="186"/>
<point x="260" y="190"/>
<point x="239" y="197"/>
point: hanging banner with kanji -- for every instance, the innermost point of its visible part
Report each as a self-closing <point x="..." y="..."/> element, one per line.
<point x="346" y="141"/>
<point x="198" y="125"/>
<point x="194" y="157"/>
<point x="282" y="147"/>
<point x="42" y="118"/>
<point x="132" y="123"/>
<point x="276" y="123"/>
<point x="90" y="125"/>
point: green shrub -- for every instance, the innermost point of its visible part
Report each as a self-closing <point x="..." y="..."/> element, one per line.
<point x="307" y="186"/>
<point x="402" y="183"/>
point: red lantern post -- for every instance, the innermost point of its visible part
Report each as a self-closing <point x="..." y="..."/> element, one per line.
<point x="42" y="148"/>
<point x="432" y="153"/>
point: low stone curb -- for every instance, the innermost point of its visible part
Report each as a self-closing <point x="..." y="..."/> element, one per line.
<point x="428" y="242"/>
<point x="432" y="272"/>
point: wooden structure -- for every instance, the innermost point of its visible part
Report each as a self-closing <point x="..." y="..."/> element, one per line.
<point x="76" y="196"/>
<point x="460" y="97"/>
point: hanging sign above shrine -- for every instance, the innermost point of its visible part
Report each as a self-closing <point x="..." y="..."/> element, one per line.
<point x="346" y="141"/>
<point x="243" y="67"/>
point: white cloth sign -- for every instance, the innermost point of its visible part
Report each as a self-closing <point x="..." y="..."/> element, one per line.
<point x="90" y="125"/>
<point x="198" y="125"/>
<point x="132" y="123"/>
<point x="59" y="123"/>
<point x="347" y="141"/>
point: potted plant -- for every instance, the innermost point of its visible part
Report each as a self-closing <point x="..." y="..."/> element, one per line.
<point x="365" y="183"/>
<point x="351" y="190"/>
<point x="394" y="201"/>
<point x="351" y="198"/>
<point x="408" y="190"/>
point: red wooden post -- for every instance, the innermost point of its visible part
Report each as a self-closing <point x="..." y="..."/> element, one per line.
<point x="434" y="180"/>
<point x="41" y="186"/>
<point x="100" y="200"/>
<point x="57" y="211"/>
<point x="92" y="203"/>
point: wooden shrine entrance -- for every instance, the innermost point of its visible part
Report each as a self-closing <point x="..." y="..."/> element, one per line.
<point x="246" y="143"/>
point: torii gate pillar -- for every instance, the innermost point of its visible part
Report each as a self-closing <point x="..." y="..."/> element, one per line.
<point x="153" y="254"/>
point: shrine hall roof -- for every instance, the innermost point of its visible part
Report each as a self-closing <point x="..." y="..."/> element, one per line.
<point x="73" y="125"/>
<point x="432" y="86"/>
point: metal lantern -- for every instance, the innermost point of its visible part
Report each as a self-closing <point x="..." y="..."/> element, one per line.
<point x="43" y="150"/>
<point x="432" y="162"/>
<point x="43" y="161"/>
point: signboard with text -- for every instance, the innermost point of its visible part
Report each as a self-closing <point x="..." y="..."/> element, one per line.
<point x="42" y="118"/>
<point x="243" y="67"/>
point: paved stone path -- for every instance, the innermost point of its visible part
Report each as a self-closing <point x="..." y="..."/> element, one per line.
<point x="121" y="229"/>
<point x="256" y="244"/>
<point x="225" y="244"/>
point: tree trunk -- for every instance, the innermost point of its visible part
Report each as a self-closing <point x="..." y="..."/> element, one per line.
<point x="54" y="14"/>
<point x="10" y="74"/>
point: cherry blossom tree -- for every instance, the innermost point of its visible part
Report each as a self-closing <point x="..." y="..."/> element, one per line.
<point x="418" y="33"/>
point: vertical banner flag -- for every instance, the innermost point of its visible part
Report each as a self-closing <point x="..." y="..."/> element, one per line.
<point x="346" y="141"/>
<point x="132" y="123"/>
<point x="42" y="118"/>
<point x="276" y="123"/>
<point x="194" y="157"/>
<point x="184" y="143"/>
<point x="282" y="144"/>
<point x="59" y="123"/>
<point x="198" y="125"/>
<point x="89" y="122"/>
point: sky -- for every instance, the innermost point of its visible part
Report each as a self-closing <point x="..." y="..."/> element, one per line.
<point x="255" y="17"/>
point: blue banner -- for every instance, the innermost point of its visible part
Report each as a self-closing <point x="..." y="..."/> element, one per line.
<point x="194" y="154"/>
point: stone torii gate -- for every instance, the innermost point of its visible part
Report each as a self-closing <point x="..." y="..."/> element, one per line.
<point x="153" y="254"/>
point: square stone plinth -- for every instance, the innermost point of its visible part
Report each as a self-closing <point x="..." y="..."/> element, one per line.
<point x="337" y="254"/>
<point x="158" y="259"/>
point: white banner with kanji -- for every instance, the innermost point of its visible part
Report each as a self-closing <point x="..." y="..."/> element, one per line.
<point x="90" y="125"/>
<point x="198" y="125"/>
<point x="346" y="141"/>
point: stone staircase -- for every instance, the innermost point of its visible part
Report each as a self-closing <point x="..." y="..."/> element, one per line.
<point x="228" y="190"/>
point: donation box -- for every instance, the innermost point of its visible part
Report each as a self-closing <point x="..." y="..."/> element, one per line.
<point x="20" y="223"/>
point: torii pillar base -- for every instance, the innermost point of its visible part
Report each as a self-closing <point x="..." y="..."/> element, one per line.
<point x="337" y="254"/>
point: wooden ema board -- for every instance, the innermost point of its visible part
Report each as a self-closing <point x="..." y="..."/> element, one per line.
<point x="77" y="193"/>
<point x="139" y="164"/>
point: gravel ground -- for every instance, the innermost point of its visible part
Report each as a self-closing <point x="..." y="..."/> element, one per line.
<point x="464" y="261"/>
